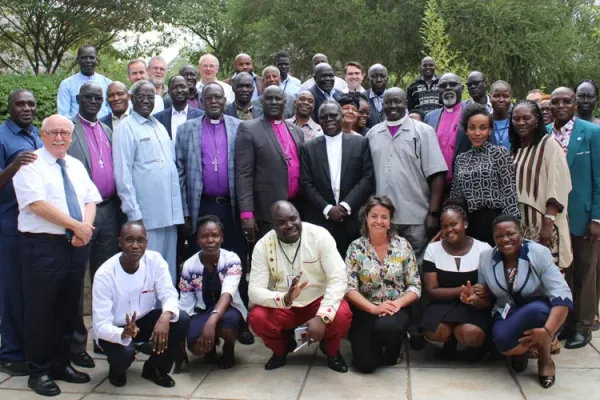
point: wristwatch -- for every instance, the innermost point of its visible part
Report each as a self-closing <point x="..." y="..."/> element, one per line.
<point x="326" y="320"/>
<point x="550" y="217"/>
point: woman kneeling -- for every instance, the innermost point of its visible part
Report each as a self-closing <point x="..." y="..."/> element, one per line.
<point x="209" y="293"/>
<point x="448" y="265"/>
<point x="532" y="299"/>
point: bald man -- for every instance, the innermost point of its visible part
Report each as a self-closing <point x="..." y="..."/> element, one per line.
<point x="117" y="97"/>
<point x="208" y="68"/>
<point x="57" y="203"/>
<point x="423" y="93"/>
<point x="324" y="88"/>
<point x="243" y="63"/>
<point x="317" y="59"/>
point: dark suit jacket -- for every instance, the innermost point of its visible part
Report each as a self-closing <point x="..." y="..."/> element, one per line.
<point x="164" y="117"/>
<point x="375" y="117"/>
<point x="231" y="110"/>
<point x="79" y="146"/>
<point x="260" y="167"/>
<point x="320" y="99"/>
<point x="107" y="120"/>
<point x="356" y="185"/>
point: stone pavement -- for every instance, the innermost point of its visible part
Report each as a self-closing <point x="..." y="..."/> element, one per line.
<point x="422" y="376"/>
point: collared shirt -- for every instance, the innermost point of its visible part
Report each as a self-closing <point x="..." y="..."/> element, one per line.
<point x="563" y="134"/>
<point x="245" y="114"/>
<point x="318" y="260"/>
<point x="229" y="94"/>
<point x="328" y="96"/>
<point x="423" y="96"/>
<point x="68" y="90"/>
<point x="13" y="140"/>
<point x="159" y="104"/>
<point x="229" y="269"/>
<point x="145" y="172"/>
<point x="117" y="293"/>
<point x="501" y="133"/>
<point x="339" y="84"/>
<point x="403" y="163"/>
<point x="288" y="145"/>
<point x="42" y="180"/>
<point x="100" y="158"/>
<point x="333" y="145"/>
<point x="214" y="157"/>
<point x="255" y="94"/>
<point x="117" y="120"/>
<point x="310" y="129"/>
<point x="485" y="177"/>
<point x="446" y="133"/>
<point x="177" y="118"/>
<point x="290" y="85"/>
<point x="360" y="90"/>
<point x="378" y="283"/>
<point x="377" y="99"/>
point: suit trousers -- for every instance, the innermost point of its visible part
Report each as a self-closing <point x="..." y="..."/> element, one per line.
<point x="120" y="357"/>
<point x="581" y="278"/>
<point x="104" y="245"/>
<point x="275" y="325"/>
<point x="12" y="322"/>
<point x="52" y="273"/>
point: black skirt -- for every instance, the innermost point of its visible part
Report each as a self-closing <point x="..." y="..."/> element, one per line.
<point x="456" y="313"/>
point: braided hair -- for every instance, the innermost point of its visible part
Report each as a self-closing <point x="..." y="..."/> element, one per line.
<point x="458" y="205"/>
<point x="540" y="130"/>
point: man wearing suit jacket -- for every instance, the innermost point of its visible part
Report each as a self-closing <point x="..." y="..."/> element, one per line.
<point x="447" y="122"/>
<point x="117" y="97"/>
<point x="378" y="78"/>
<point x="92" y="146"/>
<point x="243" y="107"/>
<point x="272" y="76"/>
<point x="581" y="141"/>
<point x="336" y="178"/>
<point x="267" y="155"/>
<point x="179" y="112"/>
<point x="323" y="89"/>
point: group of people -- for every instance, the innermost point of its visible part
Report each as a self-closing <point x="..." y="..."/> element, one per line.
<point x="377" y="214"/>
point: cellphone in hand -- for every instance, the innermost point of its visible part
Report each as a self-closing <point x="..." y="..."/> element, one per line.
<point x="300" y="334"/>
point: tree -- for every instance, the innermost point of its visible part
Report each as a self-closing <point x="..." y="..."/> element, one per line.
<point x="42" y="32"/>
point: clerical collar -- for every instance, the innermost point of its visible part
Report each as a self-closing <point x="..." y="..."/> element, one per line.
<point x="216" y="121"/>
<point x="339" y="135"/>
<point x="86" y="122"/>
<point x="277" y="121"/>
<point x="395" y="123"/>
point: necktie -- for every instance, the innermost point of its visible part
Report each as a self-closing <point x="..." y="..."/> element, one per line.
<point x="70" y="195"/>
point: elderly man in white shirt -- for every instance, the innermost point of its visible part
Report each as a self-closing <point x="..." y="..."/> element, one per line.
<point x="126" y="290"/>
<point x="57" y="207"/>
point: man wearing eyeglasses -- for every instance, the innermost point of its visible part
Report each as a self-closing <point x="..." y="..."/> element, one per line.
<point x="581" y="142"/>
<point x="208" y="68"/>
<point x="57" y="204"/>
<point x="477" y="87"/>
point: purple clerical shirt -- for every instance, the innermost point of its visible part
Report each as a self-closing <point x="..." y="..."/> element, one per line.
<point x="100" y="158"/>
<point x="288" y="145"/>
<point x="214" y="154"/>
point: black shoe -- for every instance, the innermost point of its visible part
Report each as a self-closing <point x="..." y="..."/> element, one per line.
<point x="117" y="380"/>
<point x="577" y="340"/>
<point x="152" y="373"/>
<point x="564" y="333"/>
<point x="337" y="363"/>
<point x="83" y="360"/>
<point x="417" y="341"/>
<point x="97" y="349"/>
<point x="275" y="362"/>
<point x="69" y="374"/>
<point x="548" y="381"/>
<point x="246" y="338"/>
<point x="449" y="351"/>
<point x="519" y="363"/>
<point x="19" y="368"/>
<point x="44" y="386"/>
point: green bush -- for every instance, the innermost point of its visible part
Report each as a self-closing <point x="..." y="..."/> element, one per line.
<point x="43" y="87"/>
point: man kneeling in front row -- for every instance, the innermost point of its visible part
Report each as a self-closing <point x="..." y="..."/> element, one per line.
<point x="298" y="277"/>
<point x="126" y="289"/>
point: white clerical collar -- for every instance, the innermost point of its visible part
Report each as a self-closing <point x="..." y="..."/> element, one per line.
<point x="184" y="111"/>
<point x="395" y="123"/>
<point x="215" y="121"/>
<point x="90" y="123"/>
<point x="451" y="109"/>
<point x="335" y="138"/>
<point x="277" y="121"/>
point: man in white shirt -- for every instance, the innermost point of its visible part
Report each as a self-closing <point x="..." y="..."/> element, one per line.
<point x="354" y="75"/>
<point x="208" y="68"/>
<point x="137" y="71"/>
<point x="297" y="278"/>
<point x="126" y="289"/>
<point x="317" y="59"/>
<point x="57" y="206"/>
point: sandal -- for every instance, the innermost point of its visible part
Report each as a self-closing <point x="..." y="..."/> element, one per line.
<point x="547" y="381"/>
<point x="519" y="363"/>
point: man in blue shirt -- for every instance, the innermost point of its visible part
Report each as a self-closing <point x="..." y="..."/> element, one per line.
<point x="289" y="84"/>
<point x="66" y="100"/>
<point x="18" y="139"/>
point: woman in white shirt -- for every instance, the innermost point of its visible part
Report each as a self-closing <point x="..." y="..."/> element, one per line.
<point x="209" y="294"/>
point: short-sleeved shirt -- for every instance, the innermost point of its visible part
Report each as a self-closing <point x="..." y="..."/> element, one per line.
<point x="403" y="163"/>
<point x="13" y="140"/>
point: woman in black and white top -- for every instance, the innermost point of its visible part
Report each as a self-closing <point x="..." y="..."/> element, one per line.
<point x="484" y="175"/>
<point x="449" y="265"/>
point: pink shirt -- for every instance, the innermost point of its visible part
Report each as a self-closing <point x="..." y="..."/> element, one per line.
<point x="288" y="145"/>
<point x="394" y="129"/>
<point x="446" y="133"/>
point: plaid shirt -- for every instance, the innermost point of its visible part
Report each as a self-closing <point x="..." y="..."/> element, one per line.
<point x="377" y="100"/>
<point x="310" y="129"/>
<point x="422" y="96"/>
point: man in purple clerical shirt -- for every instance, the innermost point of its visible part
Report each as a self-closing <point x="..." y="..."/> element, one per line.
<point x="92" y="146"/>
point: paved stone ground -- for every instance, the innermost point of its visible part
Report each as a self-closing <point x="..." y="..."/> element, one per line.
<point x="422" y="375"/>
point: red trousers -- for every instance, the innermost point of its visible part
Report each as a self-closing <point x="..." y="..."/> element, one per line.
<point x="273" y="325"/>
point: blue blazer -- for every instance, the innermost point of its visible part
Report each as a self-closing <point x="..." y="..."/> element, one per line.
<point x="320" y="99"/>
<point x="188" y="152"/>
<point x="583" y="157"/>
<point x="107" y="120"/>
<point x="164" y="117"/>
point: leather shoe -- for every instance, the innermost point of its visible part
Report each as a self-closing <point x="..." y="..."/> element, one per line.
<point x="246" y="338"/>
<point x="417" y="342"/>
<point x="14" y="368"/>
<point x="83" y="360"/>
<point x="577" y="340"/>
<point x="69" y="374"/>
<point x="275" y="362"/>
<point x="152" y="373"/>
<point x="98" y="349"/>
<point x="44" y="386"/>
<point x="117" y="380"/>
<point x="337" y="363"/>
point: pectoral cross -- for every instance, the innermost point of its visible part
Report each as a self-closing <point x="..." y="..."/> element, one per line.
<point x="101" y="163"/>
<point x="288" y="159"/>
<point x="216" y="164"/>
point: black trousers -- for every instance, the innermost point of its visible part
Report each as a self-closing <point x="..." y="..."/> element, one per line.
<point x="120" y="357"/>
<point x="376" y="340"/>
<point x="52" y="273"/>
<point x="104" y="245"/>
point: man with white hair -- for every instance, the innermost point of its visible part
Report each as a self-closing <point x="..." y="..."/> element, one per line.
<point x="137" y="71"/>
<point x="272" y="76"/>
<point x="157" y="69"/>
<point x="57" y="204"/>
<point x="208" y="67"/>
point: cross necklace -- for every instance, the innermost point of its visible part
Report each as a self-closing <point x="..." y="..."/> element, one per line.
<point x="212" y="143"/>
<point x="99" y="149"/>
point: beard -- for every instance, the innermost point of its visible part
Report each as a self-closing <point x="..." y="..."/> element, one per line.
<point x="157" y="81"/>
<point x="450" y="99"/>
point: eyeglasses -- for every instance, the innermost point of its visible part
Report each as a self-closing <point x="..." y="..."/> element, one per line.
<point x="53" y="134"/>
<point x="445" y="85"/>
<point x="567" y="102"/>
